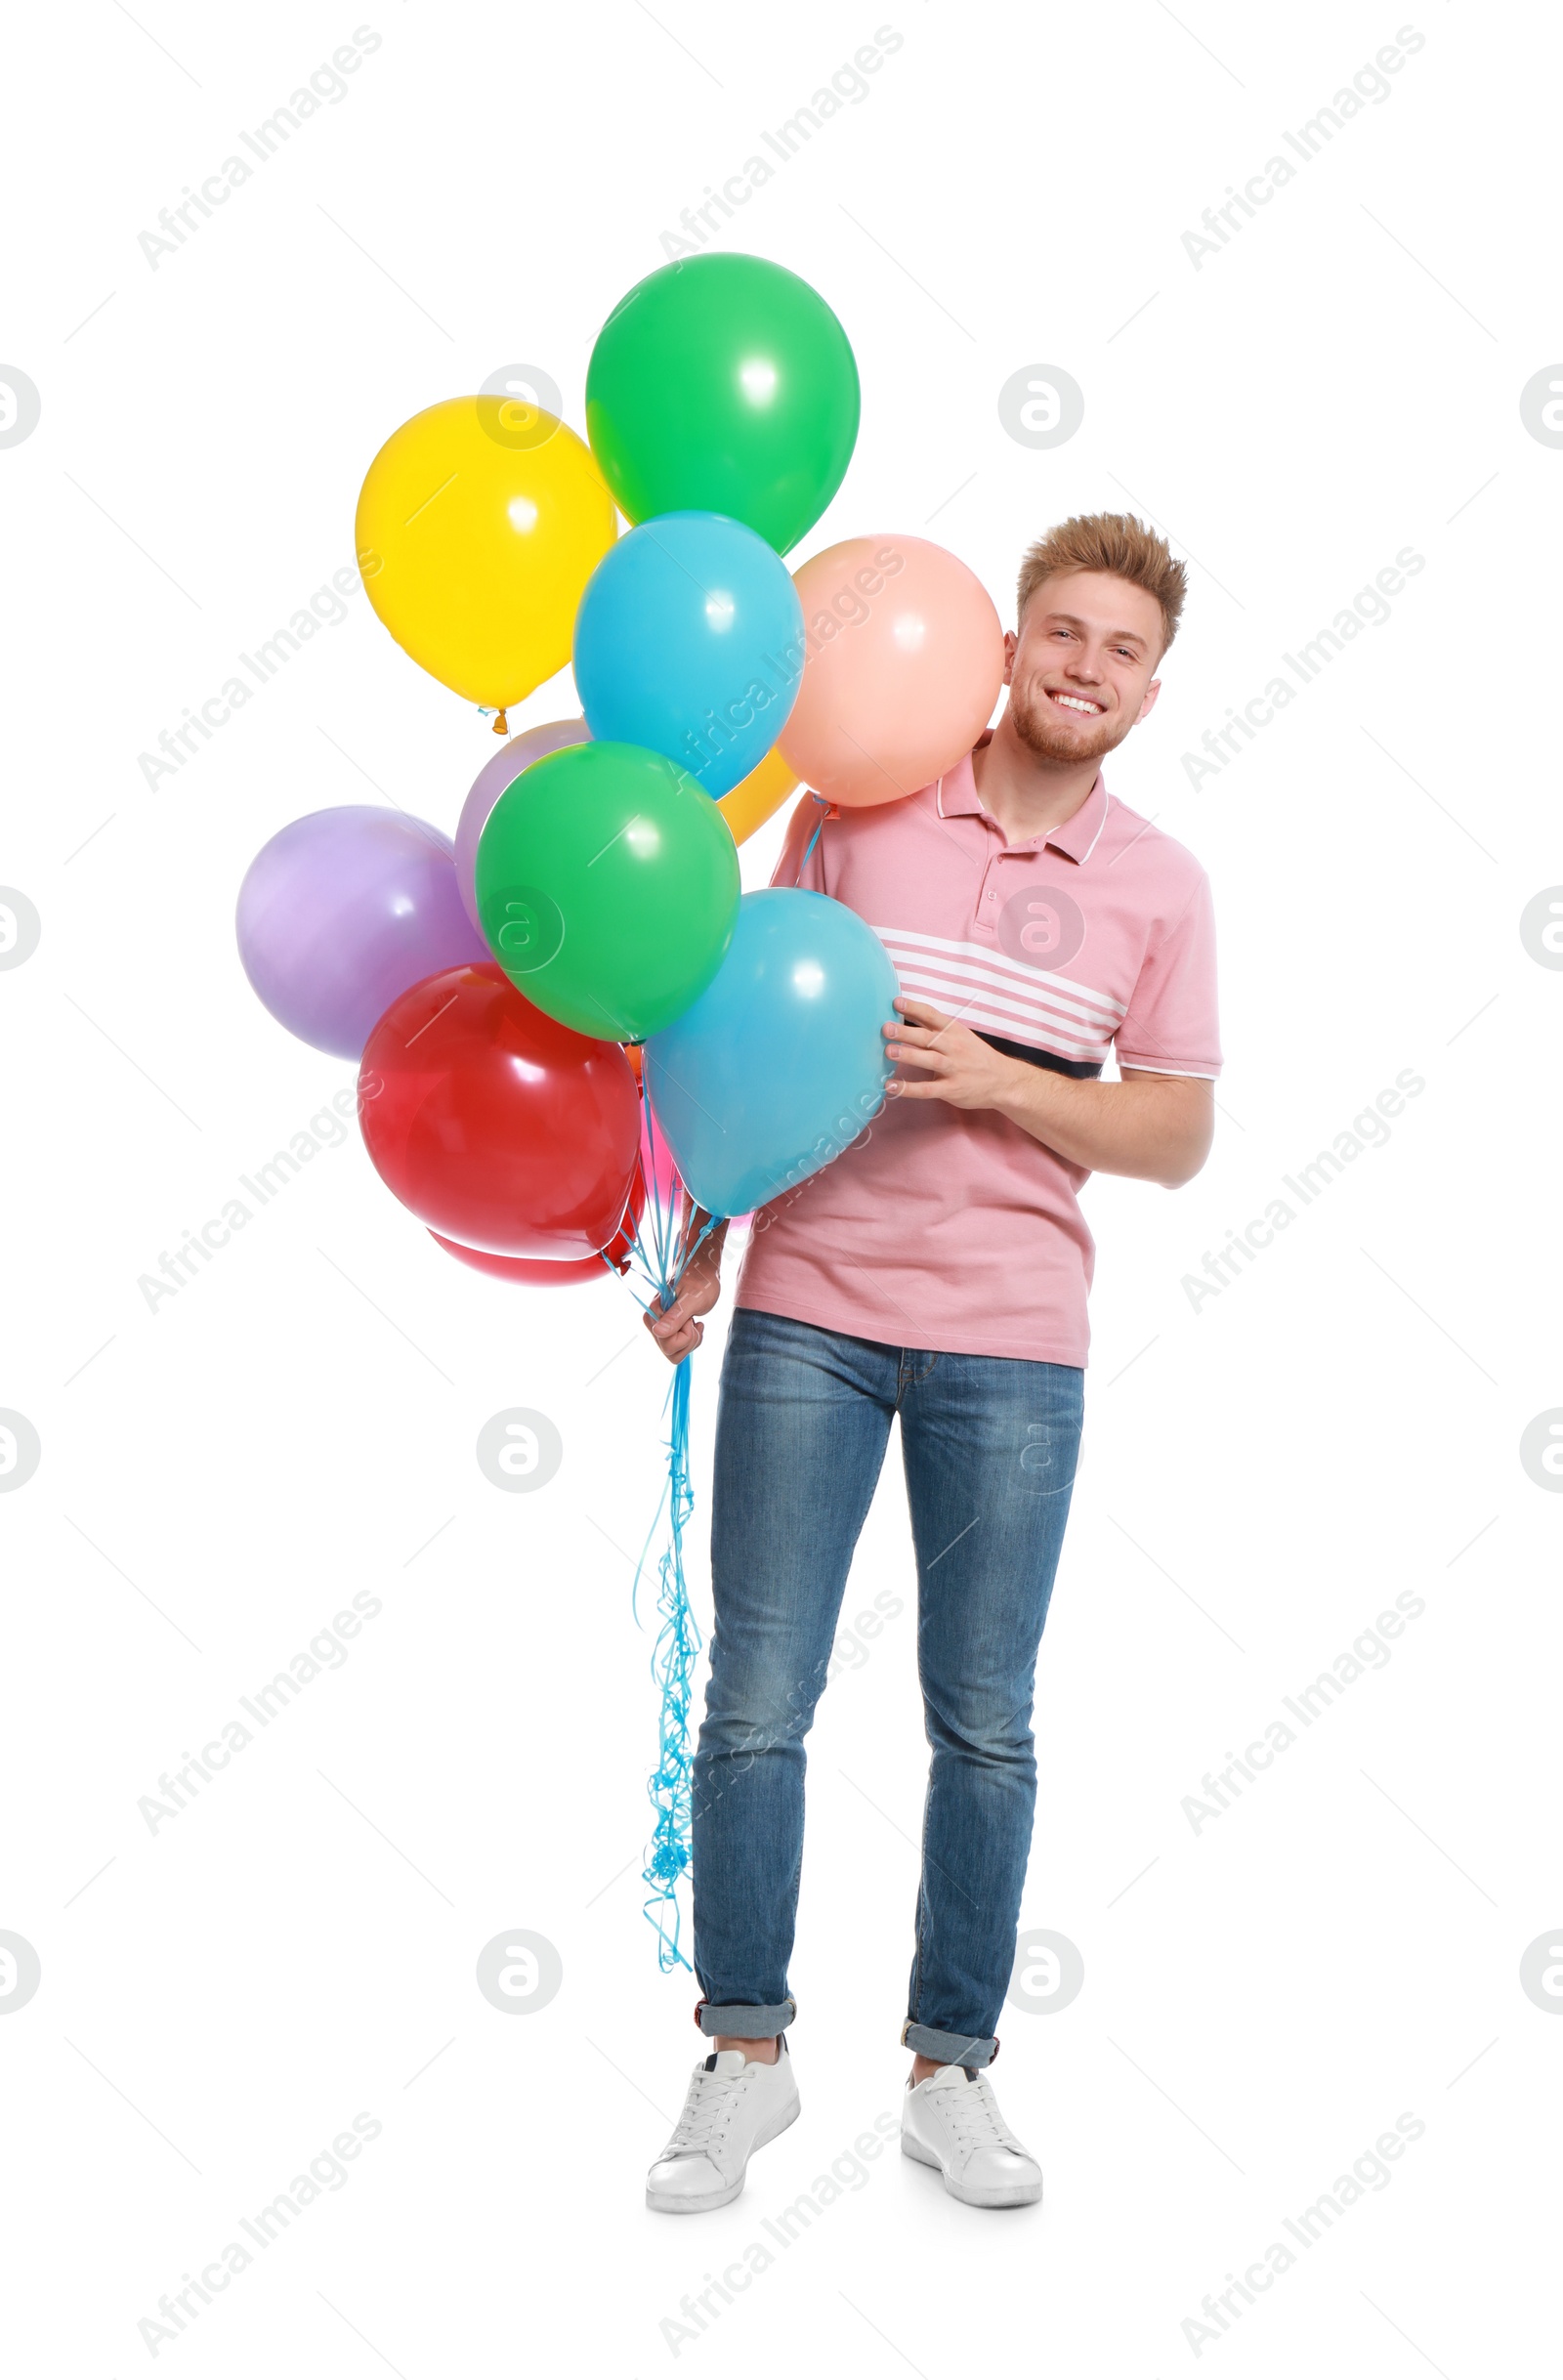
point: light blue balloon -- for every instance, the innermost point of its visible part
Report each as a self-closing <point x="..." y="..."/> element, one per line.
<point x="781" y="1062"/>
<point x="688" y="640"/>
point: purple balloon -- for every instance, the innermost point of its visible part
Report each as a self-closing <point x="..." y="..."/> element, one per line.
<point x="340" y="913"/>
<point x="491" y="782"/>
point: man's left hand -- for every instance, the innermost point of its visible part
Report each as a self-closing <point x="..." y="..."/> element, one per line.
<point x="1152" y="1127"/>
<point x="965" y="1070"/>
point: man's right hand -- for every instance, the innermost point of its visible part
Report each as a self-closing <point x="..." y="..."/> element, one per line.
<point x="678" y="1329"/>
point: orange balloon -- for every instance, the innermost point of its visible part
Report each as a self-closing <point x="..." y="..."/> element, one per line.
<point x="905" y="657"/>
<point x="759" y="795"/>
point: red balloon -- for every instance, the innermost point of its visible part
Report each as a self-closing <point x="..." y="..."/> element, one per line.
<point x="501" y="1128"/>
<point x="540" y="1275"/>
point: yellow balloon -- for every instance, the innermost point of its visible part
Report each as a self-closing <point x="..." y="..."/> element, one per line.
<point x="759" y="796"/>
<point x="478" y="525"/>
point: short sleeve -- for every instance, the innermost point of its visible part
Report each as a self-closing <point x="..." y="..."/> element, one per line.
<point x="1171" y="1026"/>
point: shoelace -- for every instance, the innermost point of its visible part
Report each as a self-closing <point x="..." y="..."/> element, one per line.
<point x="975" y="2120"/>
<point x="711" y="2100"/>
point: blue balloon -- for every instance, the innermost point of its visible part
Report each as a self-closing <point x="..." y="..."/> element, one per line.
<point x="781" y="1062"/>
<point x="689" y="640"/>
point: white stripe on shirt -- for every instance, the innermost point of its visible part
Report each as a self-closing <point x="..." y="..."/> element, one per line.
<point x="1017" y="1022"/>
<point x="1096" y="1008"/>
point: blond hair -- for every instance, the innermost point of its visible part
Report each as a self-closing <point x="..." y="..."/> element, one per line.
<point x="1113" y="542"/>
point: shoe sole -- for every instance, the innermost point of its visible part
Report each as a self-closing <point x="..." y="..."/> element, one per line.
<point x="672" y="2205"/>
<point x="1020" y="2193"/>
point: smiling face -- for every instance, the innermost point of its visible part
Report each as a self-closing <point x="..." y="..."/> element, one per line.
<point x="1080" y="671"/>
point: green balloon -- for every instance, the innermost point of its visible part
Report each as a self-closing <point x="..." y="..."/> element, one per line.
<point x="723" y="384"/>
<point x="608" y="887"/>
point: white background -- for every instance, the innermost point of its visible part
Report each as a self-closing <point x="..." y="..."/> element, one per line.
<point x="1341" y="1425"/>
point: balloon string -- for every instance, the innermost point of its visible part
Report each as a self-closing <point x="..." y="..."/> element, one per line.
<point x="662" y="1245"/>
<point x="672" y="1666"/>
<point x="818" y="824"/>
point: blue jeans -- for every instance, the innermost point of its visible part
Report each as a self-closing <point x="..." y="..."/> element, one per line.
<point x="989" y="1445"/>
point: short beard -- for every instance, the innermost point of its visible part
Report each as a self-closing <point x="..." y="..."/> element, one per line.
<point x="1039" y="734"/>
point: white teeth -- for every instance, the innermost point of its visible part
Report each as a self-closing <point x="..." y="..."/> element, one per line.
<point x="1070" y="703"/>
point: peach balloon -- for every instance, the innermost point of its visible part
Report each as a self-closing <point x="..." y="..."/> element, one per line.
<point x="902" y="662"/>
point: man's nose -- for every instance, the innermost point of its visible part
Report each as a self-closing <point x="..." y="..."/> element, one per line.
<point x="1087" y="665"/>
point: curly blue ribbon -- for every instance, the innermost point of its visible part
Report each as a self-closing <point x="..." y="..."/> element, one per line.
<point x="662" y="1252"/>
<point x="825" y="812"/>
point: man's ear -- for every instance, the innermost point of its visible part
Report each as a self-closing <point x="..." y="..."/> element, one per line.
<point x="1149" y="704"/>
<point x="1011" y="648"/>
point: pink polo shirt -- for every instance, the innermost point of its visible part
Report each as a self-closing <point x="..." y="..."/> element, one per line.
<point x="942" y="1228"/>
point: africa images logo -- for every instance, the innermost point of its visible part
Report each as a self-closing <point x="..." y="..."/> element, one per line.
<point x="1041" y="926"/>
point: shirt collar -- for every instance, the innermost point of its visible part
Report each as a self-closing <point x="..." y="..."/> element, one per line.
<point x="955" y="796"/>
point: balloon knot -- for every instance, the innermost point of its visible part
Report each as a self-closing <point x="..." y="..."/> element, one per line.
<point x="501" y="724"/>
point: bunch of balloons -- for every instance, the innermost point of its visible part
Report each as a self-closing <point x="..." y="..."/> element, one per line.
<point x="499" y="990"/>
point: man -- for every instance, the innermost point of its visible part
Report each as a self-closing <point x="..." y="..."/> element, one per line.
<point x="938" y="1270"/>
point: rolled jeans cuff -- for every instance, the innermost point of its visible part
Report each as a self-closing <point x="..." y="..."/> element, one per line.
<point x="742" y="2022"/>
<point x="949" y="2049"/>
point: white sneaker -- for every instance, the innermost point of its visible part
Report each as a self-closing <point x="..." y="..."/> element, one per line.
<point x="732" y="2108"/>
<point x="954" y="2124"/>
